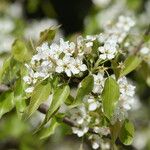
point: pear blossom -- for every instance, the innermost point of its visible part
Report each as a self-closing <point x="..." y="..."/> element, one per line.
<point x="109" y="50"/>
<point x="126" y="99"/>
<point x="98" y="83"/>
<point x="92" y="103"/>
<point x="81" y="130"/>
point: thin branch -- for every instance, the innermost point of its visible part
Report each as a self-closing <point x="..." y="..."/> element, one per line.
<point x="43" y="108"/>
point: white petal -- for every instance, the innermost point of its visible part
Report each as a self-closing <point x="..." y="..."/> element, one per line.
<point x="92" y="106"/>
<point x="102" y="56"/>
<point x="59" y="69"/>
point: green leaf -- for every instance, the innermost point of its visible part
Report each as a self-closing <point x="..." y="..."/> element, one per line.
<point x="39" y="95"/>
<point x="20" y="51"/>
<point x="110" y="96"/>
<point x="60" y="96"/>
<point x="86" y="87"/>
<point x="19" y="97"/>
<point x="131" y="63"/>
<point x="6" y="102"/>
<point x="115" y="68"/>
<point x="48" y="131"/>
<point x="47" y="35"/>
<point x="9" y="71"/>
<point x="115" y="130"/>
<point x="127" y="133"/>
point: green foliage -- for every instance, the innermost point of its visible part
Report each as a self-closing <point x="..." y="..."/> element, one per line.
<point x="39" y="95"/>
<point x="49" y="130"/>
<point x="60" y="95"/>
<point x="20" y="51"/>
<point x="20" y="97"/>
<point x="110" y="96"/>
<point x="127" y="132"/>
<point x="86" y="86"/>
<point x="9" y="71"/>
<point x="130" y="64"/>
<point x="6" y="102"/>
<point x="47" y="35"/>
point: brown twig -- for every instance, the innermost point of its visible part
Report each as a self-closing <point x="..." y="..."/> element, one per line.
<point x="43" y="108"/>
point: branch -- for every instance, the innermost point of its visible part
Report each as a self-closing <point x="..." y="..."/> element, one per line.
<point x="43" y="108"/>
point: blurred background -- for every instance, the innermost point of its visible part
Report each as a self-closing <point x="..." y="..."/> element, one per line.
<point x="25" y="19"/>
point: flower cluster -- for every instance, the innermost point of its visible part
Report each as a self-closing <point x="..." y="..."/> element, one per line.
<point x="65" y="57"/>
<point x="121" y="28"/>
<point x="126" y="99"/>
<point x="83" y="120"/>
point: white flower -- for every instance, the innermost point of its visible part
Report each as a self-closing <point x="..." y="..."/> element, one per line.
<point x="126" y="100"/>
<point x="98" y="83"/>
<point x="144" y="50"/>
<point x="65" y="65"/>
<point x="125" y="23"/>
<point x="93" y="104"/>
<point x="78" y="66"/>
<point x="27" y="79"/>
<point x="29" y="90"/>
<point x="102" y="130"/>
<point x="95" y="140"/>
<point x="109" y="50"/>
<point x="81" y="130"/>
<point x="78" y="114"/>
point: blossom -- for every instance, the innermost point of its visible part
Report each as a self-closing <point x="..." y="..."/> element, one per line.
<point x="78" y="114"/>
<point x="81" y="130"/>
<point x="109" y="50"/>
<point x="29" y="90"/>
<point x="92" y="103"/>
<point x="126" y="99"/>
<point x="95" y="139"/>
<point x="98" y="83"/>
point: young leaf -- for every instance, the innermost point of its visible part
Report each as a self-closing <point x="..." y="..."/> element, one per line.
<point x="60" y="96"/>
<point x="115" y="129"/>
<point x="19" y="97"/>
<point x="47" y="35"/>
<point x="40" y="94"/>
<point x="130" y="64"/>
<point x="86" y="87"/>
<point x="20" y="51"/>
<point x="110" y="96"/>
<point x="48" y="131"/>
<point x="127" y="133"/>
<point x="6" y="102"/>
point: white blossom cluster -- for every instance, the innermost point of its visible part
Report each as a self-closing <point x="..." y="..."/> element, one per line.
<point x="65" y="57"/>
<point x="83" y="120"/>
<point x="109" y="49"/>
<point x="82" y="117"/>
<point x="126" y="100"/>
<point x="106" y="16"/>
<point x="121" y="28"/>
